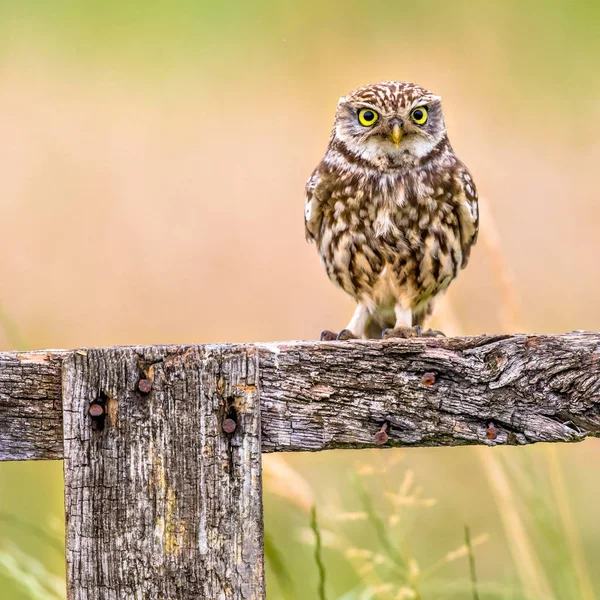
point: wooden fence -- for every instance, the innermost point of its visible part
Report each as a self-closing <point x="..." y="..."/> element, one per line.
<point x="162" y="444"/>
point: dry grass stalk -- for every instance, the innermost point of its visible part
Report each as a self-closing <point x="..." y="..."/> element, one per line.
<point x="510" y="311"/>
<point x="445" y="318"/>
<point x="512" y="321"/>
<point x="284" y="481"/>
<point x="527" y="563"/>
<point x="530" y="572"/>
<point x="586" y="589"/>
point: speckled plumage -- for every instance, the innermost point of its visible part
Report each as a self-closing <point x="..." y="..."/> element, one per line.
<point x="393" y="220"/>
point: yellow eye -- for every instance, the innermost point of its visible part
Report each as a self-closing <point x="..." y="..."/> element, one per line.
<point x="367" y="117"/>
<point x="419" y="115"/>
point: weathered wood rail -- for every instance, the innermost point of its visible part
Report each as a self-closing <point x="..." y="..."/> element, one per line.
<point x="162" y="444"/>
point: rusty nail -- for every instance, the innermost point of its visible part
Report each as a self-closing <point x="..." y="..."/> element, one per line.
<point x="229" y="425"/>
<point x="492" y="432"/>
<point x="428" y="379"/>
<point x="381" y="437"/>
<point x="145" y="385"/>
<point x="96" y="410"/>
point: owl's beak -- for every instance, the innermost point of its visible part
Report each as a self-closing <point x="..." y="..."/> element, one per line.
<point x="397" y="134"/>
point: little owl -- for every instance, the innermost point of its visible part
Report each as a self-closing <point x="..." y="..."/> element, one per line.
<point x="391" y="208"/>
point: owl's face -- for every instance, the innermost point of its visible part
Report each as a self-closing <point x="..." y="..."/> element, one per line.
<point x="390" y="125"/>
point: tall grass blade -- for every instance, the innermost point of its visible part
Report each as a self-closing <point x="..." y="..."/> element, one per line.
<point x="584" y="582"/>
<point x="36" y="530"/>
<point x="31" y="576"/>
<point x="472" y="570"/>
<point x="279" y="568"/>
<point x="318" y="553"/>
<point x="381" y="531"/>
<point x="532" y="576"/>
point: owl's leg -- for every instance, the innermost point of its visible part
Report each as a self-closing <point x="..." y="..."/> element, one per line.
<point x="356" y="328"/>
<point x="358" y="324"/>
<point x="408" y="325"/>
<point x="403" y="327"/>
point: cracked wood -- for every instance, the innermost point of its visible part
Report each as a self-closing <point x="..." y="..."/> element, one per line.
<point x="431" y="392"/>
<point x="160" y="501"/>
<point x="481" y="390"/>
<point x="30" y="405"/>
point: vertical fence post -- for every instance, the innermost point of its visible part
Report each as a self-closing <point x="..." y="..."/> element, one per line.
<point x="162" y="474"/>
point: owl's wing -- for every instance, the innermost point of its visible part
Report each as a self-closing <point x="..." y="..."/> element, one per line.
<point x="468" y="213"/>
<point x="313" y="214"/>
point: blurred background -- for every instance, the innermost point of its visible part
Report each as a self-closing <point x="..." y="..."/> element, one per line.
<point x="153" y="157"/>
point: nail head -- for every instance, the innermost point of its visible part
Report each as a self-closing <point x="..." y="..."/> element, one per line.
<point x="381" y="437"/>
<point x="428" y="379"/>
<point x="229" y="425"/>
<point x="145" y="385"/>
<point x="96" y="410"/>
<point x="492" y="432"/>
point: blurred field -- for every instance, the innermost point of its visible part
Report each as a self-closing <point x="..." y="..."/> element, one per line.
<point x="152" y="163"/>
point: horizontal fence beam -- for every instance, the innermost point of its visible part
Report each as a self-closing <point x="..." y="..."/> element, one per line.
<point x="512" y="389"/>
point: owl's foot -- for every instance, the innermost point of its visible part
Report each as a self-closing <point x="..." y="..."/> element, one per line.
<point x="410" y="332"/>
<point x="330" y="336"/>
<point x="327" y="336"/>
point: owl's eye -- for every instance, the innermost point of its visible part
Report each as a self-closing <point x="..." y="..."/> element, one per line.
<point x="367" y="117"/>
<point x="419" y="115"/>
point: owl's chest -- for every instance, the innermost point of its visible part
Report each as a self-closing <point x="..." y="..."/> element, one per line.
<point x="383" y="220"/>
<point x="408" y="237"/>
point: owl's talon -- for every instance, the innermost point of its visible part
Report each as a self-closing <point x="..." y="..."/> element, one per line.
<point x="327" y="336"/>
<point x="330" y="336"/>
<point x="433" y="333"/>
<point x="346" y="334"/>
<point x="401" y="333"/>
<point x="410" y="332"/>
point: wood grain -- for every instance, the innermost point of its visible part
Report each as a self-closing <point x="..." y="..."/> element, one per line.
<point x="439" y="392"/>
<point x="30" y="405"/>
<point x="160" y="501"/>
<point x="316" y="395"/>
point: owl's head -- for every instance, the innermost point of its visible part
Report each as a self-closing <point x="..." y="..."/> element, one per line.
<point x="390" y="125"/>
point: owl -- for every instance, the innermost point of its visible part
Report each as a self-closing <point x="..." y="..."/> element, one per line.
<point x="392" y="210"/>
